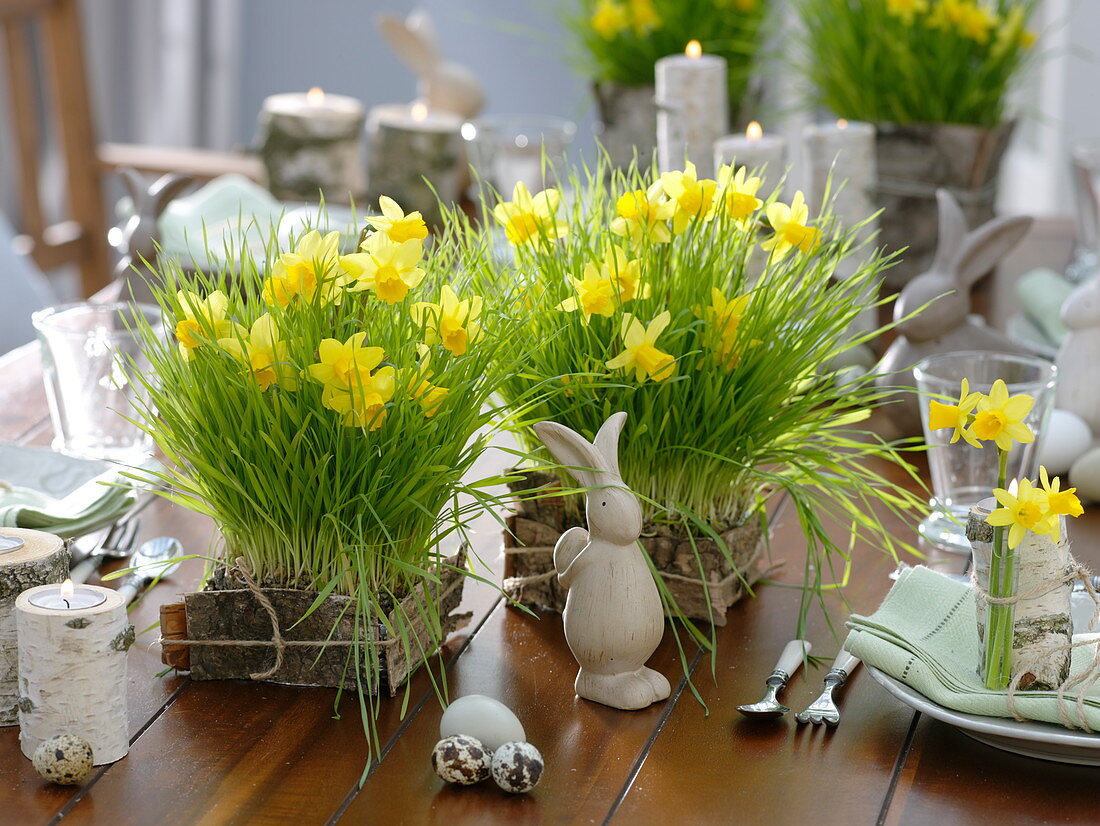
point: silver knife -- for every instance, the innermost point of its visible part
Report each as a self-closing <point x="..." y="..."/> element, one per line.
<point x="151" y="561"/>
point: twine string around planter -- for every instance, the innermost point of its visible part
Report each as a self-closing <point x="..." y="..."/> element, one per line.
<point x="1083" y="681"/>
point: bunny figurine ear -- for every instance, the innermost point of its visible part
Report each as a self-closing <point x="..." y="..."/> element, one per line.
<point x="984" y="248"/>
<point x="166" y="188"/>
<point x="952" y="231"/>
<point x="581" y="458"/>
<point x="607" y="440"/>
<point x="409" y="44"/>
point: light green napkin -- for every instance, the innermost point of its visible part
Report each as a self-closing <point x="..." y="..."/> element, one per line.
<point x="59" y="494"/>
<point x="925" y="635"/>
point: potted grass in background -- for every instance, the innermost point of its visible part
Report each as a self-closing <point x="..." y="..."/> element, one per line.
<point x="934" y="76"/>
<point x="708" y="316"/>
<point x="621" y="40"/>
<point x="326" y="412"/>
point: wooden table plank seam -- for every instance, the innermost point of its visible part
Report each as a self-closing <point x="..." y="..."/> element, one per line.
<point x="895" y="772"/>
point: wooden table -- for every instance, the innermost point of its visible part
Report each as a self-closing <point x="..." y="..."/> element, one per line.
<point x="241" y="752"/>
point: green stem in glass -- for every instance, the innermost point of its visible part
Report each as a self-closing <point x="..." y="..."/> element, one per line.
<point x="1000" y="617"/>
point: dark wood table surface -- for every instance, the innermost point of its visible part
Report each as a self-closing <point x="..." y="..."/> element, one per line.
<point x="255" y="753"/>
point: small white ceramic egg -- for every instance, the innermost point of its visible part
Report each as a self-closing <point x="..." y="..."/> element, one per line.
<point x="517" y="767"/>
<point x="1085" y="476"/>
<point x="461" y="759"/>
<point x="483" y="718"/>
<point x="1066" y="438"/>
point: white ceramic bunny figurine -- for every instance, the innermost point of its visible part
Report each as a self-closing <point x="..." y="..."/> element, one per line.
<point x="613" y="616"/>
<point x="442" y="85"/>
<point x="1078" y="386"/>
<point x="945" y="326"/>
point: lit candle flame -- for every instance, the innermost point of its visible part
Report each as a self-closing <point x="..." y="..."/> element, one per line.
<point x="67" y="588"/>
<point x="419" y="111"/>
<point x="694" y="49"/>
<point x="315" y="96"/>
<point x="841" y="124"/>
<point x="754" y="132"/>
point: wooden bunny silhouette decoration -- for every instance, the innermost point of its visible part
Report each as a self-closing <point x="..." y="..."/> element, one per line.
<point x="613" y="615"/>
<point x="140" y="235"/>
<point x="945" y="325"/>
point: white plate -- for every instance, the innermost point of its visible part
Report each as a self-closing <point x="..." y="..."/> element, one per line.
<point x="1045" y="741"/>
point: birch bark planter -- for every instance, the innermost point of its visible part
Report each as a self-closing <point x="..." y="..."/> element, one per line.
<point x="628" y="122"/>
<point x="534" y="528"/>
<point x="913" y="161"/>
<point x="41" y="558"/>
<point x="234" y="614"/>
<point x="1042" y="624"/>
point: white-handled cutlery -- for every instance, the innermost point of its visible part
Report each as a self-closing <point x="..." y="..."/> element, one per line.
<point x="789" y="661"/>
<point x="823" y="709"/>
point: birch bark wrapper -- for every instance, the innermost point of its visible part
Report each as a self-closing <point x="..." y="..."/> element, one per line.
<point x="692" y="110"/>
<point x="755" y="151"/>
<point x="42" y="558"/>
<point x="72" y="673"/>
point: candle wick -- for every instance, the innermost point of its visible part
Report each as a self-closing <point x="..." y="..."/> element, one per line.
<point x="66" y="602"/>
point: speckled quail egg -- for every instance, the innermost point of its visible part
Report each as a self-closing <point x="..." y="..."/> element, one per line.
<point x="461" y="759"/>
<point x="65" y="759"/>
<point x="517" y="767"/>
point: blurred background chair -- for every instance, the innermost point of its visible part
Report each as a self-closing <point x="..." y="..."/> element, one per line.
<point x="24" y="289"/>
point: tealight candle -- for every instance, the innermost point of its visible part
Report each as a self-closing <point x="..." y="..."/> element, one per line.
<point x="72" y="668"/>
<point x="692" y="108"/>
<point x="27" y="558"/>
<point x="409" y="147"/>
<point x="754" y="150"/>
<point x="312" y="143"/>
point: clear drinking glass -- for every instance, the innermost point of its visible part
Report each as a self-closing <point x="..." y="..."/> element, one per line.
<point x="507" y="149"/>
<point x="87" y="350"/>
<point x="963" y="475"/>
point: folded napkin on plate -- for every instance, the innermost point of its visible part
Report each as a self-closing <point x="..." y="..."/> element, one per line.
<point x="59" y="494"/>
<point x="925" y="635"/>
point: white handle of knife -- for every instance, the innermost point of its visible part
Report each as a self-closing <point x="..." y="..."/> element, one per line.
<point x="84" y="569"/>
<point x="845" y="662"/>
<point x="128" y="591"/>
<point x="793" y="654"/>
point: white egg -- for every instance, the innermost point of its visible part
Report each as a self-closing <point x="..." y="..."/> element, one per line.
<point x="484" y="718"/>
<point x="1066" y="438"/>
<point x="1085" y="476"/>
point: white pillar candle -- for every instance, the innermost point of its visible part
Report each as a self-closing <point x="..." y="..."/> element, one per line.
<point x="754" y="150"/>
<point x="692" y="109"/>
<point x="846" y="149"/>
<point x="72" y="668"/>
<point x="408" y="143"/>
<point x="312" y="142"/>
<point x="27" y="558"/>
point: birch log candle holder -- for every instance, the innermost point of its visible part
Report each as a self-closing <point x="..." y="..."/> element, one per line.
<point x="692" y="109"/>
<point x="27" y="558"/>
<point x="72" y="668"/>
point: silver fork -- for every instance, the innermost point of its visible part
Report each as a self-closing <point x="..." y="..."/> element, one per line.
<point x="823" y="709"/>
<point x="118" y="543"/>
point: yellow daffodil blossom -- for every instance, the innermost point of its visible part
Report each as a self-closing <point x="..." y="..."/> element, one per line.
<point x="641" y="354"/>
<point x="977" y="22"/>
<point x="1011" y="33"/>
<point x="724" y="317"/>
<point x="947" y="14"/>
<point x="419" y="386"/>
<point x="906" y="9"/>
<point x="264" y="353"/>
<point x="790" y="224"/>
<point x="205" y="319"/>
<point x="305" y="273"/>
<point x="737" y="194"/>
<point x="643" y="215"/>
<point x="1000" y="418"/>
<point x="625" y="273"/>
<point x="1021" y="512"/>
<point x="692" y="199"/>
<point x="609" y="19"/>
<point x="956" y="416"/>
<point x="362" y="405"/>
<point x="396" y="225"/>
<point x="386" y="267"/>
<point x="1057" y="503"/>
<point x="643" y="16"/>
<point x="530" y="219"/>
<point x="343" y="365"/>
<point x="595" y="295"/>
<point x="451" y="322"/>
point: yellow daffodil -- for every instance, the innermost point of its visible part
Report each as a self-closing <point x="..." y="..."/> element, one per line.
<point x="1000" y="418"/>
<point x="641" y="354"/>
<point x="643" y="215"/>
<point x="398" y="226"/>
<point x="724" y="318"/>
<point x="1023" y="512"/>
<point x="417" y="380"/>
<point x="737" y="194"/>
<point x="452" y="322"/>
<point x="692" y="198"/>
<point x="530" y="219"/>
<point x="977" y="22"/>
<point x="595" y="294"/>
<point x="609" y="19"/>
<point x="790" y="224"/>
<point x="947" y="14"/>
<point x="1057" y="503"/>
<point x="906" y="9"/>
<point x="345" y="364"/>
<point x="625" y="273"/>
<point x="643" y="16"/>
<point x="264" y="353"/>
<point x="305" y="273"/>
<point x="204" y="319"/>
<point x="362" y="405"/>
<point x="1012" y="34"/>
<point x="956" y="416"/>
<point x="386" y="267"/>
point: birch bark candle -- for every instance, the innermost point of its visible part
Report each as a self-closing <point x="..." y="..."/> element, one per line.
<point x="72" y="667"/>
<point x="692" y="109"/>
<point x="313" y="142"/>
<point x="410" y="146"/>
<point x="27" y="558"/>
<point x="754" y="150"/>
<point x="1042" y="619"/>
